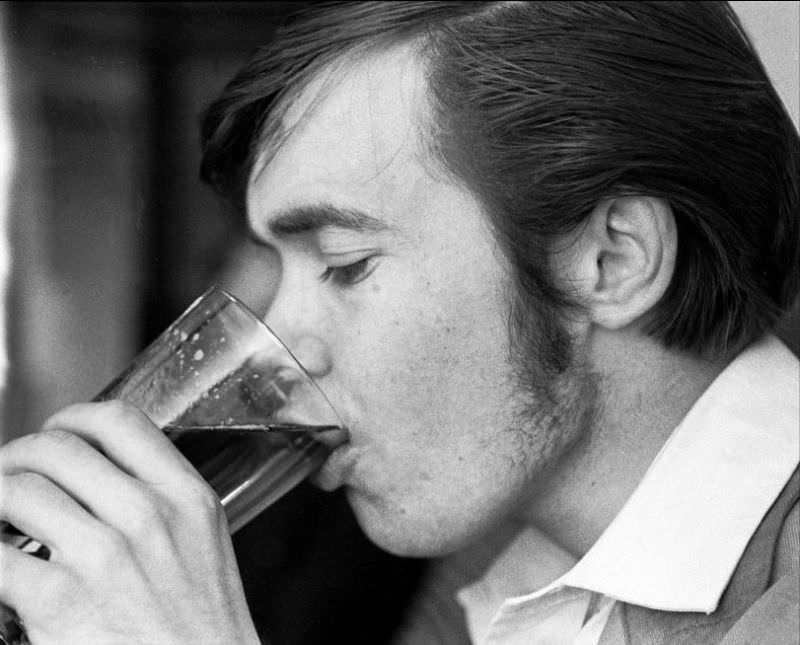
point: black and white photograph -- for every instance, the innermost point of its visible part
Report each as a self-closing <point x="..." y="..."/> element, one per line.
<point x="400" y="323"/>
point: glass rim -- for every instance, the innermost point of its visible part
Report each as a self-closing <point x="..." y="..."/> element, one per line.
<point x="241" y="306"/>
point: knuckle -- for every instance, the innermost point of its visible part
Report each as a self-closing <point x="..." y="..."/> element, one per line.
<point x="202" y="500"/>
<point x="26" y="481"/>
<point x="123" y="412"/>
<point x="11" y="447"/>
<point x="56" y="437"/>
<point x="60" y="418"/>
<point x="58" y="588"/>
<point x="106" y="549"/>
<point x="146" y="518"/>
<point x="16" y="488"/>
<point x="59" y="585"/>
<point x="47" y="440"/>
<point x="39" y="448"/>
<point x="46" y="446"/>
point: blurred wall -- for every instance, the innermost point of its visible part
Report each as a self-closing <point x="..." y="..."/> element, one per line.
<point x="112" y="233"/>
<point x="80" y="113"/>
<point x="7" y="155"/>
<point x="774" y="27"/>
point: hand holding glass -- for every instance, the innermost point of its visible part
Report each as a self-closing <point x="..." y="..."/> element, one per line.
<point x="234" y="401"/>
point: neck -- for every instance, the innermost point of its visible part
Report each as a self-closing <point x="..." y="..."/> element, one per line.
<point x="645" y="391"/>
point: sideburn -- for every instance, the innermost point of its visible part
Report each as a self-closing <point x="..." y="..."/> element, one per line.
<point x="562" y="390"/>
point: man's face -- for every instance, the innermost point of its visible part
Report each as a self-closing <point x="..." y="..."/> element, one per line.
<point x="393" y="292"/>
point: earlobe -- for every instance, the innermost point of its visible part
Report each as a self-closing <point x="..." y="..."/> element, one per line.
<point x="626" y="259"/>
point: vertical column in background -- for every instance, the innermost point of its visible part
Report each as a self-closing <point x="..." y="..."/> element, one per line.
<point x="7" y="155"/>
<point x="78" y="200"/>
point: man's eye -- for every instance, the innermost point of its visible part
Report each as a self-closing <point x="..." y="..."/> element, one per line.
<point x="349" y="274"/>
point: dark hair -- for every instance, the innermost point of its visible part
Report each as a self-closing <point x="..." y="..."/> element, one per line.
<point x="544" y="108"/>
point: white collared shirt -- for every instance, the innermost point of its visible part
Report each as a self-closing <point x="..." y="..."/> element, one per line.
<point x="740" y="441"/>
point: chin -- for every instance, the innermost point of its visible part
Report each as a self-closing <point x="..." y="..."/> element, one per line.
<point x="404" y="533"/>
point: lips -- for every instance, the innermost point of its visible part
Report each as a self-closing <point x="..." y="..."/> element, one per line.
<point x="332" y="437"/>
<point x="333" y="472"/>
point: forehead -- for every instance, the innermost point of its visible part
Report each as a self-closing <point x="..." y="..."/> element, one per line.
<point x="354" y="132"/>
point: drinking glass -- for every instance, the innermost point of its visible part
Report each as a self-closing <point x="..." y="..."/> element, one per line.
<point x="234" y="401"/>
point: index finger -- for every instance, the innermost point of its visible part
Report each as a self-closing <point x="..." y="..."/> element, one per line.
<point x="128" y="438"/>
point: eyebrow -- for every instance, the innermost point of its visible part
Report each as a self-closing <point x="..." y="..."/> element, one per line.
<point x="312" y="217"/>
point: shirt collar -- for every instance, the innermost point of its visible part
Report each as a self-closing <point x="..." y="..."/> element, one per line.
<point x="677" y="540"/>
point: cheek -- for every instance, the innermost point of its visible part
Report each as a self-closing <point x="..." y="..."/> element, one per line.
<point x="435" y="356"/>
<point x="432" y="402"/>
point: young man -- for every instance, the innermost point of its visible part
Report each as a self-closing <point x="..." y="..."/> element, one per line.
<point x="532" y="252"/>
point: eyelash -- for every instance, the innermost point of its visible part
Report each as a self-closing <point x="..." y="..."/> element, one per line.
<point x="349" y="274"/>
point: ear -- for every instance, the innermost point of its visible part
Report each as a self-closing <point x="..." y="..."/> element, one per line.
<point x="623" y="260"/>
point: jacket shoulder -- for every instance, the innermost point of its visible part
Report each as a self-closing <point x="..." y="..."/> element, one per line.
<point x="774" y="619"/>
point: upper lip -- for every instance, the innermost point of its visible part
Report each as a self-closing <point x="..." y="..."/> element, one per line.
<point x="333" y="471"/>
<point x="332" y="437"/>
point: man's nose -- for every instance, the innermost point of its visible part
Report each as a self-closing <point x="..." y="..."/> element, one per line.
<point x="294" y="326"/>
<point x="313" y="354"/>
